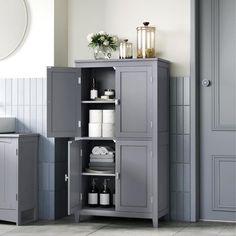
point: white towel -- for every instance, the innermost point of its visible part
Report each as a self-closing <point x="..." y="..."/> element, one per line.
<point x="96" y="150"/>
<point x="105" y="150"/>
<point x="102" y="150"/>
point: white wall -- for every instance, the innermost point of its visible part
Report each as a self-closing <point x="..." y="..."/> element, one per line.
<point x="121" y="17"/>
<point x="61" y="33"/>
<point x="84" y="17"/>
<point x="37" y="50"/>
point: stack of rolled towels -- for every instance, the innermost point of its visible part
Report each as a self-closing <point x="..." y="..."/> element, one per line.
<point x="102" y="159"/>
<point x="101" y="123"/>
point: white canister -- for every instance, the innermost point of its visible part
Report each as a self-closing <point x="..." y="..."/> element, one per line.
<point x="108" y="116"/>
<point x="95" y="116"/>
<point x="95" y="130"/>
<point x="108" y="130"/>
<point x="93" y="94"/>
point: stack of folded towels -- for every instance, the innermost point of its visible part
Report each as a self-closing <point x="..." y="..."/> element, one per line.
<point x="102" y="159"/>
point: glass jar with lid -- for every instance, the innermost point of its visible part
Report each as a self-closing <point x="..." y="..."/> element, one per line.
<point x="146" y="41"/>
<point x="126" y="50"/>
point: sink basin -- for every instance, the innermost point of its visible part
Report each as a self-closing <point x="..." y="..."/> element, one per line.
<point x="7" y="125"/>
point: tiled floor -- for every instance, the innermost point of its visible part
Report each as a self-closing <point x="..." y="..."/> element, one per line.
<point x="117" y="227"/>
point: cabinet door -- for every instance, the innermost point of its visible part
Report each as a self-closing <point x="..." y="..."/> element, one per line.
<point x="74" y="171"/>
<point x="134" y="94"/>
<point x="134" y="176"/>
<point x="63" y="102"/>
<point x="8" y="173"/>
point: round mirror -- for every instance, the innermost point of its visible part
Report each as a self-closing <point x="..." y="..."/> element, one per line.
<point x="13" y="25"/>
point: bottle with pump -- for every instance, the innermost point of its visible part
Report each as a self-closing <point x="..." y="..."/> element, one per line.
<point x="93" y="195"/>
<point x="93" y="91"/>
<point x="105" y="195"/>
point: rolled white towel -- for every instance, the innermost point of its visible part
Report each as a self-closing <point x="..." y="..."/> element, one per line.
<point x="96" y="150"/>
<point x="106" y="150"/>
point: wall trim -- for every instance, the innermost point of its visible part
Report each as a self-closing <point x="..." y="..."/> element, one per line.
<point x="194" y="119"/>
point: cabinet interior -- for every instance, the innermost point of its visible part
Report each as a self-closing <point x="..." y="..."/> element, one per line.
<point x="87" y="146"/>
<point x="104" y="77"/>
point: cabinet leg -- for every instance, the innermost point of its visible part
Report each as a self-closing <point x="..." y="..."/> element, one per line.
<point x="77" y="217"/>
<point x="155" y="222"/>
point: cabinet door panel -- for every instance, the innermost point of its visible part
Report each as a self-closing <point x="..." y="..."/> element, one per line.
<point x="74" y="178"/>
<point x="8" y="174"/>
<point x="133" y="162"/>
<point x="134" y="91"/>
<point x="63" y="102"/>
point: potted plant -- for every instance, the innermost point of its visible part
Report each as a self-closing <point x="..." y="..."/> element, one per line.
<point x="103" y="44"/>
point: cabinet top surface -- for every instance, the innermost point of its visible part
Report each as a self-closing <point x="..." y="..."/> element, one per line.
<point x="16" y="135"/>
<point x="122" y="60"/>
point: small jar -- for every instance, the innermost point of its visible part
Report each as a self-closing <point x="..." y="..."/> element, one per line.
<point x="146" y="41"/>
<point x="109" y="92"/>
<point x="126" y="50"/>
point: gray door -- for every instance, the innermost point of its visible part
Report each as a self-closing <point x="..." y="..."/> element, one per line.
<point x="133" y="177"/>
<point x="63" y="102"/>
<point x="8" y="174"/>
<point x="74" y="176"/>
<point x="218" y="109"/>
<point x="134" y="93"/>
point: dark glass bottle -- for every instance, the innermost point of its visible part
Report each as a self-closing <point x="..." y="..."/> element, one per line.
<point x="105" y="195"/>
<point x="93" y="195"/>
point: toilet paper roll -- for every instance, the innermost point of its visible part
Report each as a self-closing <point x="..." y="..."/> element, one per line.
<point x="108" y="116"/>
<point x="95" y="130"/>
<point x="95" y="116"/>
<point x="108" y="130"/>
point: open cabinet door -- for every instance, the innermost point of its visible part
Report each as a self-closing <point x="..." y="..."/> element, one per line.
<point x="63" y="102"/>
<point x="74" y="170"/>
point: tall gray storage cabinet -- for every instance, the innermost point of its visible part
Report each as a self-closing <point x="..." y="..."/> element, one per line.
<point x="141" y="141"/>
<point x="18" y="177"/>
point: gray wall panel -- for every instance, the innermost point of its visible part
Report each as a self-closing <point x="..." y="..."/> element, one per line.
<point x="25" y="99"/>
<point x="180" y="149"/>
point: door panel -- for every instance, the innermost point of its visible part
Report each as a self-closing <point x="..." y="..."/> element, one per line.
<point x="63" y="102"/>
<point x="218" y="110"/>
<point x="8" y="174"/>
<point x="133" y="118"/>
<point x="74" y="177"/>
<point x="133" y="187"/>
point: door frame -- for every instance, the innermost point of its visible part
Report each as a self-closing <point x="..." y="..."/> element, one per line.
<point x="195" y="108"/>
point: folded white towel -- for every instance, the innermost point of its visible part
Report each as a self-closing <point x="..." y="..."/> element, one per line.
<point x="102" y="156"/>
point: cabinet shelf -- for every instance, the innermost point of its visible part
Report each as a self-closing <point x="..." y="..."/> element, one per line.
<point x="98" y="211"/>
<point x="99" y="102"/>
<point x="93" y="138"/>
<point x="97" y="174"/>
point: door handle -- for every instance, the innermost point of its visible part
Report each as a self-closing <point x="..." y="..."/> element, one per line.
<point x="117" y="175"/>
<point x="206" y="83"/>
<point x="66" y="177"/>
<point x="117" y="102"/>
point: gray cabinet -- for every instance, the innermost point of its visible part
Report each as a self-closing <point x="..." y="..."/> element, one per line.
<point x="18" y="178"/>
<point x="141" y="142"/>
<point x="134" y="176"/>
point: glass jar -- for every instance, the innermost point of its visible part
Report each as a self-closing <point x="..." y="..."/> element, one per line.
<point x="146" y="41"/>
<point x="126" y="50"/>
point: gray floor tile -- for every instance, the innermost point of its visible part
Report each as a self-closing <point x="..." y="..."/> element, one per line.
<point x="102" y="226"/>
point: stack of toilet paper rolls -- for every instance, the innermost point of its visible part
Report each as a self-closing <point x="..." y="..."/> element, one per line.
<point x="101" y="123"/>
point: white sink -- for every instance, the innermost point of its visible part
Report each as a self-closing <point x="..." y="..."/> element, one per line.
<point x="7" y="125"/>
